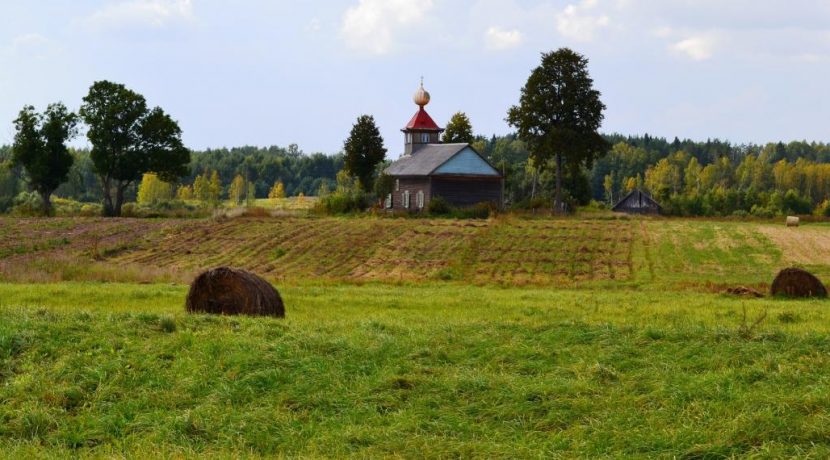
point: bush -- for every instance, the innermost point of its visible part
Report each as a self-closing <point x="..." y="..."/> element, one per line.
<point x="27" y="204"/>
<point x="740" y="213"/>
<point x="477" y="211"/>
<point x="129" y="210"/>
<point x="439" y="206"/>
<point x="347" y="198"/>
<point x="90" y="210"/>
<point x="342" y="203"/>
<point x="760" y="211"/>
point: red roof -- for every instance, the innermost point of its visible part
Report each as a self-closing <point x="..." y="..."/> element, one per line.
<point x="422" y="120"/>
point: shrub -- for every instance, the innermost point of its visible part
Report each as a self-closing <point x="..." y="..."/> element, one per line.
<point x="347" y="198"/>
<point x="27" y="204"/>
<point x="129" y="210"/>
<point x="477" y="211"/>
<point x="439" y="206"/>
<point x="740" y="213"/>
<point x="90" y="210"/>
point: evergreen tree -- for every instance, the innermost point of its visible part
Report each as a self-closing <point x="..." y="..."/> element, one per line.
<point x="364" y="150"/>
<point x="215" y="189"/>
<point x="459" y="130"/>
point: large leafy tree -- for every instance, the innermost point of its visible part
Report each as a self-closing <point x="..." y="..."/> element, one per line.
<point x="559" y="115"/>
<point x="364" y="151"/>
<point x="40" y="147"/>
<point x="459" y="130"/>
<point x="128" y="140"/>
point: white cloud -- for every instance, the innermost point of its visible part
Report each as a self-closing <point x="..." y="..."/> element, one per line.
<point x="579" y="22"/>
<point x="698" y="48"/>
<point x="499" y="39"/>
<point x="152" y="13"/>
<point x="374" y="26"/>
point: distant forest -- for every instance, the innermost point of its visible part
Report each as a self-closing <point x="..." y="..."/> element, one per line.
<point x="299" y="172"/>
<point x="686" y="177"/>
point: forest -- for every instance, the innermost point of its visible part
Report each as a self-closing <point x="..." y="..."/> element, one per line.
<point x="689" y="178"/>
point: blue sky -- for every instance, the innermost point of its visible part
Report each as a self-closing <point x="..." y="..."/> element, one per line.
<point x="255" y="72"/>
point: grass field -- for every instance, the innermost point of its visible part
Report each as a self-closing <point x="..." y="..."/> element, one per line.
<point x="413" y="338"/>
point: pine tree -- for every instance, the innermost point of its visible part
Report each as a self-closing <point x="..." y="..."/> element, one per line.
<point x="458" y="130"/>
<point x="364" y="151"/>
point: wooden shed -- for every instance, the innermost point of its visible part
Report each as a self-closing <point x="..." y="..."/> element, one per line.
<point x="638" y="202"/>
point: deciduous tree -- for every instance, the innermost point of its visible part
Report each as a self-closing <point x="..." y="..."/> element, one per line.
<point x="128" y="139"/>
<point x="559" y="115"/>
<point x="236" y="190"/>
<point x="40" y="147"/>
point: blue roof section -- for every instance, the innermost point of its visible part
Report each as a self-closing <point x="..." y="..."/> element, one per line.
<point x="466" y="162"/>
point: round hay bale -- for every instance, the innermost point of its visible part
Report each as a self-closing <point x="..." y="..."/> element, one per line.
<point x="793" y="221"/>
<point x="229" y="291"/>
<point x="795" y="282"/>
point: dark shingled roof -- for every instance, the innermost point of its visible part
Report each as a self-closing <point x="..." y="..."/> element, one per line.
<point x="425" y="160"/>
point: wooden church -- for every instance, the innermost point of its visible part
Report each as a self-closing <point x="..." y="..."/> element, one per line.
<point x="428" y="169"/>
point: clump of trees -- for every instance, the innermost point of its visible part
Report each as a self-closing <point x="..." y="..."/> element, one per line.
<point x="129" y="139"/>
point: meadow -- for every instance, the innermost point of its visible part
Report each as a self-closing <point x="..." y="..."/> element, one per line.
<point x="505" y="338"/>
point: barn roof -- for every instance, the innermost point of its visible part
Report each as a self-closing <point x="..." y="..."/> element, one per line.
<point x="637" y="201"/>
<point x="426" y="160"/>
<point x="422" y="121"/>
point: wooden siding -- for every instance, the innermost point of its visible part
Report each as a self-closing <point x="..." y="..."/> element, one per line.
<point x="637" y="202"/>
<point x="413" y="185"/>
<point x="466" y="191"/>
<point x="417" y="143"/>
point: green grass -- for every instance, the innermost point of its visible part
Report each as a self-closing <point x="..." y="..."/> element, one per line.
<point x="420" y="370"/>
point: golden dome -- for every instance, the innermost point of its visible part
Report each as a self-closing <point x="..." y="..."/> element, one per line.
<point x="421" y="96"/>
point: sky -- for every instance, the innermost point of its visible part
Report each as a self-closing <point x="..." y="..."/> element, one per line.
<point x="277" y="72"/>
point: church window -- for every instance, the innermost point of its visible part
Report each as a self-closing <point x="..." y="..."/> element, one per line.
<point x="419" y="199"/>
<point x="406" y="199"/>
<point x="388" y="203"/>
<point x="425" y="138"/>
<point x="397" y="185"/>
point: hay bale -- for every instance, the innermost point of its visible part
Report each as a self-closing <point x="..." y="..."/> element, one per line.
<point x="795" y="282"/>
<point x="792" y="221"/>
<point x="228" y="291"/>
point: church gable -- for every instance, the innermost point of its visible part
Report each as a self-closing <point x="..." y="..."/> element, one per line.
<point x="466" y="162"/>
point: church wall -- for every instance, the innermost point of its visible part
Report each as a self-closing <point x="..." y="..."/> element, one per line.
<point x="467" y="191"/>
<point x="413" y="185"/>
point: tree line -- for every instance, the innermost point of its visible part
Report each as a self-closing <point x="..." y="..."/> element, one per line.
<point x="556" y="158"/>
